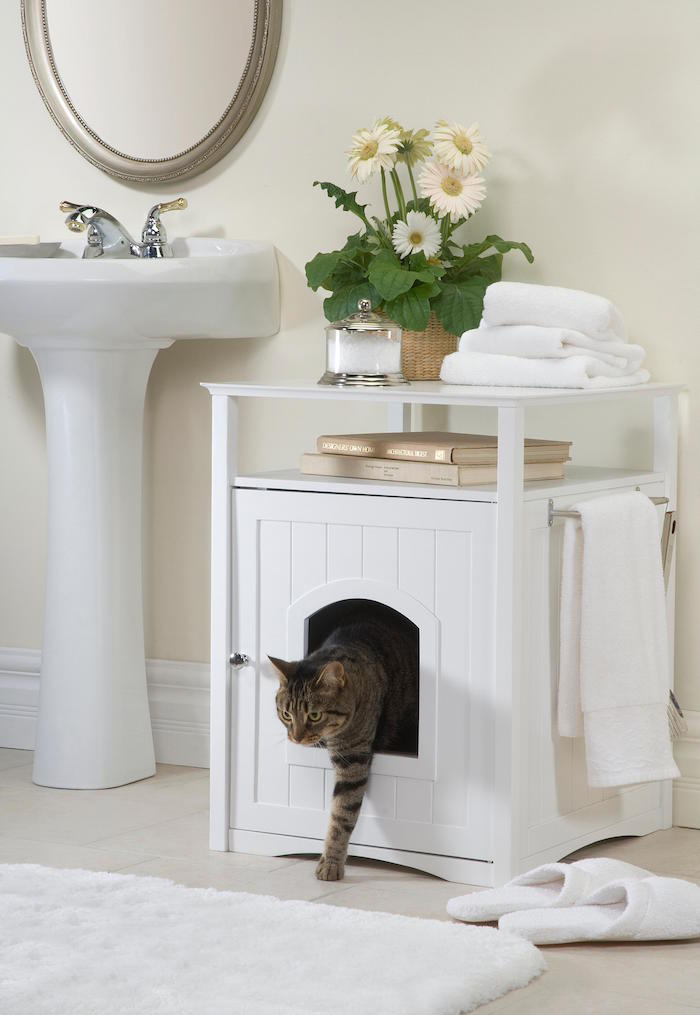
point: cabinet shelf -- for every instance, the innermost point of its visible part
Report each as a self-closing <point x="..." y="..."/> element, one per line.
<point x="578" y="479"/>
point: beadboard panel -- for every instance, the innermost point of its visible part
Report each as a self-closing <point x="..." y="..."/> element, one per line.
<point x="344" y="551"/>
<point x="306" y="787"/>
<point x="280" y="546"/>
<point x="420" y="559"/>
<point x="380" y="554"/>
<point x="178" y="694"/>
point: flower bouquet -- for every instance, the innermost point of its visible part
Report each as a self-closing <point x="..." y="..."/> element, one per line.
<point x="412" y="263"/>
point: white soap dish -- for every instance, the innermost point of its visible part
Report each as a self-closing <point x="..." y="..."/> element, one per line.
<point x="28" y="249"/>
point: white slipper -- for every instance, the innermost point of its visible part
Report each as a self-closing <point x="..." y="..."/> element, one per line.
<point x="651" y="909"/>
<point x="551" y="885"/>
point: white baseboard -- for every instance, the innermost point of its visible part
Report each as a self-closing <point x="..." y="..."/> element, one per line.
<point x="178" y="695"/>
<point x="686" y="790"/>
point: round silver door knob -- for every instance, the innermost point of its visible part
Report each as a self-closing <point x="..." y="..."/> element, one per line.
<point x="238" y="659"/>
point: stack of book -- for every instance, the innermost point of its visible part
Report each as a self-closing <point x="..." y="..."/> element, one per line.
<point x="440" y="459"/>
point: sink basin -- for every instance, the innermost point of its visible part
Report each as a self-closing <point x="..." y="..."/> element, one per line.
<point x="209" y="289"/>
<point x="94" y="328"/>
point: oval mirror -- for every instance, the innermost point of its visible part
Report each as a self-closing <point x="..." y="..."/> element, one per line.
<point x="155" y="90"/>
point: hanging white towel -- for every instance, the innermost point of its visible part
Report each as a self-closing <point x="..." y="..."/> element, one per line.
<point x="515" y="371"/>
<point x="554" y="307"/>
<point x="613" y="667"/>
<point x="533" y="341"/>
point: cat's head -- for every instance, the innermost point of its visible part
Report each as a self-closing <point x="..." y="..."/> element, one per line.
<point x="313" y="700"/>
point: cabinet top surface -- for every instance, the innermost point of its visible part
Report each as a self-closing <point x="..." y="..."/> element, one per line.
<point x="437" y="393"/>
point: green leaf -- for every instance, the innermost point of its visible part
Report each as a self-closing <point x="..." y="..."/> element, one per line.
<point x="346" y="273"/>
<point x="412" y="309"/>
<point x="358" y="241"/>
<point x="320" y="267"/>
<point x="503" y="246"/>
<point x="419" y="262"/>
<point x="427" y="289"/>
<point x="329" y="271"/>
<point x="343" y="199"/>
<point x="459" y="305"/>
<point x="392" y="278"/>
<point x="344" y="301"/>
<point x="422" y="204"/>
<point x="472" y="250"/>
<point x="389" y="276"/>
<point x="489" y="268"/>
<point x="383" y="233"/>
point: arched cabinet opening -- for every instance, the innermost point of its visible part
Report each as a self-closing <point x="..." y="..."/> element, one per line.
<point x="324" y="621"/>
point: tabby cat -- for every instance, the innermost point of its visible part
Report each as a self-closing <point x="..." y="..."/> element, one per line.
<point x="355" y="694"/>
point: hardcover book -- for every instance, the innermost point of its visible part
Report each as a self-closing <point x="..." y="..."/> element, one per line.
<point x="433" y="473"/>
<point x="448" y="448"/>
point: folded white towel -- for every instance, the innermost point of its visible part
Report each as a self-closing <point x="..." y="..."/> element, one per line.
<point x="613" y="665"/>
<point x="536" y="342"/>
<point x="549" y="886"/>
<point x="516" y="371"/>
<point x="650" y="909"/>
<point x="549" y="305"/>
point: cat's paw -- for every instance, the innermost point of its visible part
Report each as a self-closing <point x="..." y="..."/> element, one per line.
<point x="329" y="869"/>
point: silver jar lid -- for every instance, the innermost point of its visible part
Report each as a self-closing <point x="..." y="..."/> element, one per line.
<point x="365" y="319"/>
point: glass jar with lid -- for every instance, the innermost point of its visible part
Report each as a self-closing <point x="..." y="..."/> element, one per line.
<point x="363" y="349"/>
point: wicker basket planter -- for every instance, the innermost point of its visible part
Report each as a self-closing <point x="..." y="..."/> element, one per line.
<point x="422" y="352"/>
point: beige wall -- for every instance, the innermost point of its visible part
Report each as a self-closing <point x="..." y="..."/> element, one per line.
<point x="591" y="110"/>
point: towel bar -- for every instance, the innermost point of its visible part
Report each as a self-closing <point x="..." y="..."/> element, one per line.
<point x="552" y="514"/>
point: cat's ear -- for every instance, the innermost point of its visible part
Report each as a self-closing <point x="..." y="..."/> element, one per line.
<point x="332" y="675"/>
<point x="283" y="669"/>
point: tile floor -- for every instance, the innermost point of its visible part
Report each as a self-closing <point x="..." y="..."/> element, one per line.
<point x="159" y="827"/>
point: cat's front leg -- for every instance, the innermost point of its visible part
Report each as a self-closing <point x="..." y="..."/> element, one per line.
<point x="351" y="775"/>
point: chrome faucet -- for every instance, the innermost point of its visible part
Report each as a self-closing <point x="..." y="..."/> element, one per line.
<point x="106" y="237"/>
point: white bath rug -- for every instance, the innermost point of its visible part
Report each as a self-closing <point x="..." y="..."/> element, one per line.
<point x="84" y="943"/>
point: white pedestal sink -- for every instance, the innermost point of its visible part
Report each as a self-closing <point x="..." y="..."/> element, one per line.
<point x="94" y="328"/>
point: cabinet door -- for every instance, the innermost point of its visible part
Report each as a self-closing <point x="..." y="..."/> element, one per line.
<point x="431" y="560"/>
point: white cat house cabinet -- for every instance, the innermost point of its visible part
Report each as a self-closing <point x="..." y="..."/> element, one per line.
<point x="492" y="790"/>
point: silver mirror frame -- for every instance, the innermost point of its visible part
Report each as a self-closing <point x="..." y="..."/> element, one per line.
<point x="229" y="129"/>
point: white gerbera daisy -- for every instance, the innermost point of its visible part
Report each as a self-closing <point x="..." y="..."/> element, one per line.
<point x="420" y="233"/>
<point x="459" y="147"/>
<point x="373" y="149"/>
<point x="451" y="192"/>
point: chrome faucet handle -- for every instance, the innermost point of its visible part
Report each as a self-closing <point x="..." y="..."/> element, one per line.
<point x="154" y="241"/>
<point x="106" y="237"/>
<point x="76" y="221"/>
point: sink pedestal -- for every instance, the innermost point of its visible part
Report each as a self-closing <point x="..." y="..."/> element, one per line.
<point x="94" y="326"/>
<point x="94" y="728"/>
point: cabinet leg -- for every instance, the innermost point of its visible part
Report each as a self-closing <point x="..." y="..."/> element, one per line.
<point x="510" y="778"/>
<point x="224" y="446"/>
<point x="666" y="461"/>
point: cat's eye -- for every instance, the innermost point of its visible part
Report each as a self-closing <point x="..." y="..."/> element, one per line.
<point x="287" y="716"/>
<point x="315" y="716"/>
